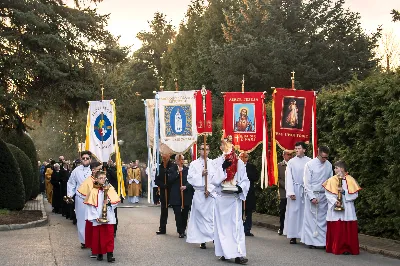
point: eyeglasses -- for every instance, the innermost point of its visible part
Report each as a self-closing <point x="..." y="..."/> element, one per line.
<point x="324" y="157"/>
<point x="85" y="158"/>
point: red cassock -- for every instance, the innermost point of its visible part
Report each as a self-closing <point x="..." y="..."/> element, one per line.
<point x="88" y="234"/>
<point x="341" y="237"/>
<point x="102" y="239"/>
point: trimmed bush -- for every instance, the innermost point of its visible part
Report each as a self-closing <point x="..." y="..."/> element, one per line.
<point x="25" y="167"/>
<point x="12" y="193"/>
<point x="25" y="143"/>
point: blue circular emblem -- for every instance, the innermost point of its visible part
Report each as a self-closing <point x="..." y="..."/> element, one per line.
<point x="102" y="127"/>
<point x="178" y="120"/>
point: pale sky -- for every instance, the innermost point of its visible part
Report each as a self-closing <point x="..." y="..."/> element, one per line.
<point x="128" y="17"/>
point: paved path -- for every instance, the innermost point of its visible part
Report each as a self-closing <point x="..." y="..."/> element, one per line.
<point x="137" y="244"/>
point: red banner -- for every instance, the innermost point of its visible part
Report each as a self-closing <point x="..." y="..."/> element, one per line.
<point x="244" y="119"/>
<point x="203" y="127"/>
<point x="293" y="113"/>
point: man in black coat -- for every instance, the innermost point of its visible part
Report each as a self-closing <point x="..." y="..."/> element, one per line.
<point x="162" y="182"/>
<point x="181" y="215"/>
<point x="56" y="180"/>
<point x="250" y="203"/>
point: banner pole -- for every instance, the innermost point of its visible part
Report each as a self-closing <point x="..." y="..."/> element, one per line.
<point x="204" y="93"/>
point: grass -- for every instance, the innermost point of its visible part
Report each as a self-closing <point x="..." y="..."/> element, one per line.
<point x="4" y="211"/>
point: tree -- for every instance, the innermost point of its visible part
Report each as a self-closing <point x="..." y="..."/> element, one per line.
<point x="388" y="51"/>
<point x="25" y="168"/>
<point x="12" y="194"/>
<point x="49" y="53"/>
<point x="396" y="15"/>
<point x="24" y="142"/>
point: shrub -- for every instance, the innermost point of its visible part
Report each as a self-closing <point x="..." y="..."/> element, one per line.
<point x="12" y="193"/>
<point x="25" y="143"/>
<point x="25" y="167"/>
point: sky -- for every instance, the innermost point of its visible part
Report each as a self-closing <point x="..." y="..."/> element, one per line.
<point x="128" y="17"/>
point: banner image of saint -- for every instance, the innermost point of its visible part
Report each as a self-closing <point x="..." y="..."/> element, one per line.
<point x="180" y="120"/>
<point x="244" y="120"/>
<point x="292" y="113"/>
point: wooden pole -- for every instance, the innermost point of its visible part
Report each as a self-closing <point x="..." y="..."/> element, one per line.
<point x="204" y="93"/>
<point x="180" y="175"/>
<point x="292" y="78"/>
<point x="179" y="157"/>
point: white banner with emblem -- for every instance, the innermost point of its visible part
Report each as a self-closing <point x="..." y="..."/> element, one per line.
<point x="100" y="129"/>
<point x="177" y="114"/>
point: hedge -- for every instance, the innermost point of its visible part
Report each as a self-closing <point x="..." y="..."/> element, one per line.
<point x="25" y="167"/>
<point x="25" y="143"/>
<point x="12" y="193"/>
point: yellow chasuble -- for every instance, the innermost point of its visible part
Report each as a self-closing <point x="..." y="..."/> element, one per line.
<point x="86" y="186"/>
<point x="49" y="186"/>
<point x="92" y="197"/>
<point x="332" y="184"/>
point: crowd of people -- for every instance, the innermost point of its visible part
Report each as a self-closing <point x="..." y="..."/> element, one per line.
<point x="212" y="200"/>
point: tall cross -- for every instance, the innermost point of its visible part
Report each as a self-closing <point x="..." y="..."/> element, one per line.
<point x="292" y="78"/>
<point x="161" y="86"/>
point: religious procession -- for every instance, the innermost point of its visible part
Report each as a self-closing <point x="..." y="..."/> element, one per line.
<point x="239" y="132"/>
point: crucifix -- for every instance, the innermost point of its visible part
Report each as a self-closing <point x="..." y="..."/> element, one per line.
<point x="292" y="78"/>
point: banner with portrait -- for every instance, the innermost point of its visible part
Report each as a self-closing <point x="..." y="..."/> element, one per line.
<point x="204" y="126"/>
<point x="177" y="116"/>
<point x="293" y="116"/>
<point x="100" y="129"/>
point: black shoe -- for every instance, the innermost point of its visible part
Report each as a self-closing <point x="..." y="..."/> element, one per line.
<point x="161" y="232"/>
<point x="83" y="246"/>
<point x="346" y="253"/>
<point x="293" y="241"/>
<point x="115" y="235"/>
<point x="203" y="246"/>
<point x="311" y="247"/>
<point x="241" y="260"/>
<point x="222" y="258"/>
<point x="74" y="222"/>
<point x="248" y="234"/>
<point x="181" y="236"/>
<point x="280" y="232"/>
<point x="110" y="257"/>
<point x="100" y="257"/>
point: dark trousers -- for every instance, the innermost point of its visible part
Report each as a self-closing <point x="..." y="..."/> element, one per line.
<point x="163" y="217"/>
<point x="248" y="223"/>
<point x="156" y="196"/>
<point x="181" y="217"/>
<point x="282" y="211"/>
<point x="116" y="218"/>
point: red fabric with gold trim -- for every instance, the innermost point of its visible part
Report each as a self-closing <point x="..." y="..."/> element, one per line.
<point x="293" y="115"/>
<point x="243" y="118"/>
<point x="232" y="169"/>
<point x="201" y="128"/>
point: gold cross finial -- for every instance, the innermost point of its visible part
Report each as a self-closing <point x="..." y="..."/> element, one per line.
<point x="161" y="86"/>
<point x="102" y="92"/>
<point x="243" y="84"/>
<point x="292" y="78"/>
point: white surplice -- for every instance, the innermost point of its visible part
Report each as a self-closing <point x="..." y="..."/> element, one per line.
<point x="314" y="223"/>
<point x="78" y="175"/>
<point x="349" y="213"/>
<point x="294" y="185"/>
<point x="201" y="220"/>
<point x="229" y="238"/>
<point x="94" y="212"/>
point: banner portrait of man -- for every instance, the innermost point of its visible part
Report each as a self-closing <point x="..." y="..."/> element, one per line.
<point x="244" y="120"/>
<point x="292" y="113"/>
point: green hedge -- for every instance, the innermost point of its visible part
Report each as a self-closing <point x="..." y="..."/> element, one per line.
<point x="25" y="167"/>
<point x="12" y="193"/>
<point x="361" y="124"/>
<point x="25" y="143"/>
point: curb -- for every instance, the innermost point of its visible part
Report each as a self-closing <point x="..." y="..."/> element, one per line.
<point x="41" y="222"/>
<point x="369" y="249"/>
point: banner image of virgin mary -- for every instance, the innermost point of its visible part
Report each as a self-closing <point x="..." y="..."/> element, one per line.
<point x="292" y="113"/>
<point x="244" y="118"/>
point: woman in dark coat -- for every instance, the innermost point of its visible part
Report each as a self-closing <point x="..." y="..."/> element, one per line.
<point x="56" y="179"/>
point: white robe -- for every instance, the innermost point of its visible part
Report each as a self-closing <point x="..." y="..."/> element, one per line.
<point x="349" y="213"/>
<point x="77" y="177"/>
<point x="294" y="185"/>
<point x="229" y="238"/>
<point x="96" y="212"/>
<point x="201" y="220"/>
<point x="314" y="223"/>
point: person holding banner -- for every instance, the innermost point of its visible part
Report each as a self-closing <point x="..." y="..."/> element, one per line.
<point x="177" y="176"/>
<point x="201" y="221"/>
<point x="316" y="172"/>
<point x="78" y="175"/>
<point x="229" y="237"/>
<point x="294" y="186"/>
<point x="161" y="181"/>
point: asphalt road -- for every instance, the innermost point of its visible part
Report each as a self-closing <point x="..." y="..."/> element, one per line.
<point x="137" y="244"/>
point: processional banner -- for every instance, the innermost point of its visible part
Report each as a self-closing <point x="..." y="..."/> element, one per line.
<point x="177" y="116"/>
<point x="293" y="115"/>
<point x="100" y="129"/>
<point x="245" y="121"/>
